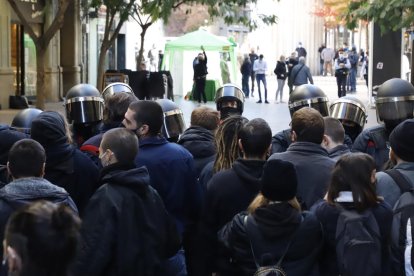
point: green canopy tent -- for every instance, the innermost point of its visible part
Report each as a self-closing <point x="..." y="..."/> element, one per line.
<point x="179" y="54"/>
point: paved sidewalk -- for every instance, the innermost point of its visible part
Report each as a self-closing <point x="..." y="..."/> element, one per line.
<point x="277" y="115"/>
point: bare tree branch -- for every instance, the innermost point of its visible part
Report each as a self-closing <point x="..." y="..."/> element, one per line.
<point x="28" y="28"/>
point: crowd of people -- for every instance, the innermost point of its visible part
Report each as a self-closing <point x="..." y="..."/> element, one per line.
<point x="119" y="186"/>
<point x="343" y="63"/>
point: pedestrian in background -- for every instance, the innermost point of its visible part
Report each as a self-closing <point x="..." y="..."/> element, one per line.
<point x="291" y="62"/>
<point x="353" y="58"/>
<point x="321" y="62"/>
<point x="200" y="75"/>
<point x="246" y="71"/>
<point x="281" y="75"/>
<point x="328" y="55"/>
<point x="253" y="57"/>
<point x="301" y="51"/>
<point x="342" y="66"/>
<point x="301" y="74"/>
<point x="260" y="69"/>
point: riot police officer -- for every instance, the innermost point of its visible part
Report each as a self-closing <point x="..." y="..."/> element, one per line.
<point x="116" y="87"/>
<point x="394" y="104"/>
<point x="229" y="100"/>
<point x="351" y="112"/>
<point x="306" y="95"/>
<point x="84" y="110"/>
<point x="174" y="124"/>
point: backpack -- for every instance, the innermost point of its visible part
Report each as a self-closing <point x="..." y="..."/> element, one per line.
<point x="358" y="243"/>
<point x="402" y="254"/>
<point x="264" y="270"/>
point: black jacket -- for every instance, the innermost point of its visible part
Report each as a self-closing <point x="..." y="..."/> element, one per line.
<point x="228" y="193"/>
<point x="126" y="229"/>
<point x="200" y="143"/>
<point x="328" y="216"/>
<point x="200" y="68"/>
<point x="313" y="170"/>
<point x="246" y="68"/>
<point x="72" y="170"/>
<point x="275" y="225"/>
<point x="280" y="70"/>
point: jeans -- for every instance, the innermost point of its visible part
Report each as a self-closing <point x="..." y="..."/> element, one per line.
<point x="261" y="77"/>
<point x="280" y="85"/>
<point x="175" y="266"/>
<point x="321" y="68"/>
<point x="245" y="85"/>
<point x="352" y="79"/>
<point x="253" y="76"/>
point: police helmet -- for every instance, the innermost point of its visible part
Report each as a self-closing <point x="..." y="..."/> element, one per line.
<point x="308" y="95"/>
<point x="230" y="92"/>
<point x="174" y="124"/>
<point x="352" y="114"/>
<point x="84" y="104"/>
<point x="116" y="87"/>
<point x="395" y="102"/>
<point x="23" y="120"/>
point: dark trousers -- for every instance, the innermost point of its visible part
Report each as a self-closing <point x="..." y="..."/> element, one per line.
<point x="200" y="85"/>
<point x="245" y="85"/>
<point x="341" y="83"/>
<point x="261" y="77"/>
<point x="253" y="78"/>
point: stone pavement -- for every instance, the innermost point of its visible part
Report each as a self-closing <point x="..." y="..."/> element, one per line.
<point x="277" y="115"/>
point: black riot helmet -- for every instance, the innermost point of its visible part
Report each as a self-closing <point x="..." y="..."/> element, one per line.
<point x="229" y="100"/>
<point x="351" y="112"/>
<point x="308" y="95"/>
<point x="116" y="87"/>
<point x="23" y="120"/>
<point x="174" y="124"/>
<point x="84" y="104"/>
<point x="395" y="102"/>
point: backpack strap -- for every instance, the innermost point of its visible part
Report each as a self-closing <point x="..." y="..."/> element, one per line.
<point x="250" y="228"/>
<point x="402" y="182"/>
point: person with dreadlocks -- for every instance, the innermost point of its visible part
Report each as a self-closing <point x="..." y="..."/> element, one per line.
<point x="231" y="190"/>
<point x="226" y="146"/>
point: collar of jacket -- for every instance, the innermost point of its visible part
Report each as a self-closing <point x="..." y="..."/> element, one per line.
<point x="308" y="147"/>
<point x="153" y="140"/>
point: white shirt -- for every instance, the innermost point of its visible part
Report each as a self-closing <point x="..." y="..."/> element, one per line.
<point x="260" y="66"/>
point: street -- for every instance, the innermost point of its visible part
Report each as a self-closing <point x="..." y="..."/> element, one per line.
<point x="277" y="115"/>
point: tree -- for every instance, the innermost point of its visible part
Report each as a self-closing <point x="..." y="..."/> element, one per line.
<point x="389" y="15"/>
<point x="147" y="12"/>
<point x="42" y="40"/>
<point x="114" y="9"/>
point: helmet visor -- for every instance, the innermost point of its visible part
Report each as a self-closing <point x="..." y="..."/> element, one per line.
<point x="174" y="123"/>
<point x="394" y="109"/>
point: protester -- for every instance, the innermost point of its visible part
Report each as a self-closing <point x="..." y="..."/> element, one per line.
<point x="274" y="228"/>
<point x="41" y="239"/>
<point x="353" y="188"/>
<point x="198" y="139"/>
<point x="200" y="75"/>
<point x="291" y="62"/>
<point x="226" y="141"/>
<point x="333" y="138"/>
<point x="26" y="165"/>
<point x="308" y="156"/>
<point x="253" y="57"/>
<point x="402" y="155"/>
<point x="170" y="166"/>
<point x="230" y="191"/>
<point x="126" y="229"/>
<point x="66" y="166"/>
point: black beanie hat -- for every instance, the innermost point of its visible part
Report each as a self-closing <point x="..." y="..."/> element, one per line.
<point x="402" y="140"/>
<point x="279" y="182"/>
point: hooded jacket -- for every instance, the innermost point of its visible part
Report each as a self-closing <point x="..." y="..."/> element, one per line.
<point x="23" y="191"/>
<point x="228" y="193"/>
<point x="66" y="166"/>
<point x="199" y="142"/>
<point x="126" y="229"/>
<point x="276" y="225"/>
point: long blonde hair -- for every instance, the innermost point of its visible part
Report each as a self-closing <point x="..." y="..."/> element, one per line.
<point x="261" y="201"/>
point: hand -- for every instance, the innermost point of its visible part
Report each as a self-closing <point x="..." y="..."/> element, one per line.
<point x="202" y="48"/>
